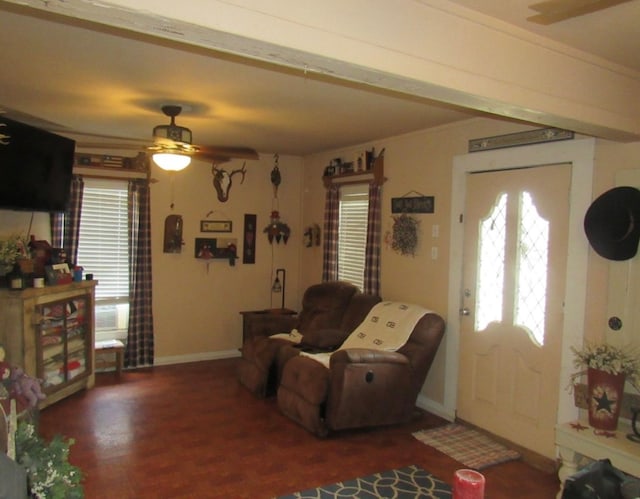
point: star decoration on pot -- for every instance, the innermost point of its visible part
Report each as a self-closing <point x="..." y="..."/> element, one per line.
<point x="604" y="403"/>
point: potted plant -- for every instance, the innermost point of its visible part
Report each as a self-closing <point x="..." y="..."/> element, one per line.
<point x="607" y="368"/>
<point x="11" y="249"/>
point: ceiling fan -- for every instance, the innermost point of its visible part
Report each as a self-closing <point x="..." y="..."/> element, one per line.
<point x="169" y="139"/>
<point x="172" y="148"/>
<point x="553" y="11"/>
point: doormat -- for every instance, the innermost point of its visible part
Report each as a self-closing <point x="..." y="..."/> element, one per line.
<point x="470" y="447"/>
<point x="405" y="483"/>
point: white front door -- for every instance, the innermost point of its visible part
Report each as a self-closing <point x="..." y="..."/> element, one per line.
<point x="513" y="279"/>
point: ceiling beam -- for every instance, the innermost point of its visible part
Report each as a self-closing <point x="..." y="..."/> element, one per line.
<point x="427" y="48"/>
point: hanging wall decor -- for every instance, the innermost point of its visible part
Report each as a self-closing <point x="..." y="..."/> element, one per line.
<point x="311" y="236"/>
<point x="403" y="237"/>
<point x="276" y="178"/>
<point x="208" y="249"/>
<point x="223" y="180"/>
<point x="249" y="246"/>
<point x="277" y="229"/>
<point x="413" y="204"/>
<point x="173" y="234"/>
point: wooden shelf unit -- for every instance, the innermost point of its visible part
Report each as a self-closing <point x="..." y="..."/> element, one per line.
<point x="49" y="332"/>
<point x="376" y="173"/>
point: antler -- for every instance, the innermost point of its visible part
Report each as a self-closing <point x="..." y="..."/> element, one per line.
<point x="242" y="170"/>
<point x="222" y="180"/>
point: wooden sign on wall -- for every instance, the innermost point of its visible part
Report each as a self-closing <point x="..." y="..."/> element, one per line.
<point x="417" y="204"/>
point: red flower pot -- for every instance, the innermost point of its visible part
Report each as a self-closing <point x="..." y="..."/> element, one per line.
<point x="605" y="398"/>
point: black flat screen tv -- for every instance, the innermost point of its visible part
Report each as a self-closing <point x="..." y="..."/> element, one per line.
<point x="35" y="168"/>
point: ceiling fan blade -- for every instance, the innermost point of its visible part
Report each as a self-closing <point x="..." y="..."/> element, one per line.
<point x="125" y="146"/>
<point x="219" y="152"/>
<point x="553" y="11"/>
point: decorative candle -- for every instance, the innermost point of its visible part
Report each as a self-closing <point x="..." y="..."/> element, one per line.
<point x="468" y="484"/>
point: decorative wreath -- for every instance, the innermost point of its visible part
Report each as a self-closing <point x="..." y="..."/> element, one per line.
<point x="404" y="235"/>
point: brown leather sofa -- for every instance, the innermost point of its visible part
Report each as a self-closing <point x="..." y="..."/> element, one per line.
<point x="361" y="387"/>
<point x="330" y="311"/>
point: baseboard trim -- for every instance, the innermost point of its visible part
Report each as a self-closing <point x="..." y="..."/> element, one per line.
<point x="434" y="407"/>
<point x="197" y="357"/>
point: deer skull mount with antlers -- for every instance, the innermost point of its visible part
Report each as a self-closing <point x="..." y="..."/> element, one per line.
<point x="223" y="180"/>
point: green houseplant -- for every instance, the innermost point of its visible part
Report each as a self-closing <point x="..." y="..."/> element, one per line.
<point x="607" y="368"/>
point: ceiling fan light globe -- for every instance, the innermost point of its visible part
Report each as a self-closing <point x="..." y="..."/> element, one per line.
<point x="171" y="162"/>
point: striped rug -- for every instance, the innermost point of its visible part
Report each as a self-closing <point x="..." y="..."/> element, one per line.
<point x="470" y="447"/>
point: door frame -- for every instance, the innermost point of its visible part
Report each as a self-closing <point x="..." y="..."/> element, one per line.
<point x="580" y="155"/>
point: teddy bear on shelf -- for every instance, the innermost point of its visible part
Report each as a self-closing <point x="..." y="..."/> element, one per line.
<point x="16" y="384"/>
<point x="27" y="387"/>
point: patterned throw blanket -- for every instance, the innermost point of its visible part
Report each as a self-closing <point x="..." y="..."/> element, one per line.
<point x="387" y="327"/>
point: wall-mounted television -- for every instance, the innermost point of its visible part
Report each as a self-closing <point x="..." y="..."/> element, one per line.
<point x="35" y="168"/>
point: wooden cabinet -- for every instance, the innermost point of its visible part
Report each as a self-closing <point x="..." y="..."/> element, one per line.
<point x="50" y="333"/>
<point x="267" y="322"/>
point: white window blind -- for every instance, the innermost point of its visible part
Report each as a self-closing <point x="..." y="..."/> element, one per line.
<point x="103" y="250"/>
<point x="352" y="233"/>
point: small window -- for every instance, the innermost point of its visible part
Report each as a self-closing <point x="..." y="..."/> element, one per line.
<point x="103" y="250"/>
<point x="352" y="233"/>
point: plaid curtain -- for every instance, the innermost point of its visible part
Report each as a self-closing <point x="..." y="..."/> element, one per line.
<point x="65" y="227"/>
<point x="372" y="252"/>
<point x="330" y="249"/>
<point x="140" y="347"/>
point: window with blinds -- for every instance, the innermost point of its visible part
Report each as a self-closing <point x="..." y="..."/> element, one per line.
<point x="352" y="233"/>
<point x="103" y="250"/>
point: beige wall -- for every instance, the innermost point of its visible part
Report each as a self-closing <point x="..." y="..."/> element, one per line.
<point x="196" y="310"/>
<point x="422" y="162"/>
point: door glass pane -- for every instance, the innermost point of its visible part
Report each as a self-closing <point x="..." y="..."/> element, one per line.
<point x="531" y="271"/>
<point x="491" y="261"/>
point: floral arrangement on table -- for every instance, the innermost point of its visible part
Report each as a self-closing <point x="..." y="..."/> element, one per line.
<point x="607" y="358"/>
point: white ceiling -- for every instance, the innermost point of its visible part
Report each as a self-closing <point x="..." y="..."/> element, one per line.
<point x="76" y="76"/>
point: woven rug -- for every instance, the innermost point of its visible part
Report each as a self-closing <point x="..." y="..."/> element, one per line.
<point x="410" y="482"/>
<point x="470" y="447"/>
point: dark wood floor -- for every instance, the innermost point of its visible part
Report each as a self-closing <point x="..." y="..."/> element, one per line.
<point x="191" y="431"/>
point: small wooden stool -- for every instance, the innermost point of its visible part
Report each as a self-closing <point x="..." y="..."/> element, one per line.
<point x="115" y="347"/>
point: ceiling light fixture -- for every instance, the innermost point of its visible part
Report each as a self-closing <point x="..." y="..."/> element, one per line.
<point x="172" y="138"/>
<point x="171" y="162"/>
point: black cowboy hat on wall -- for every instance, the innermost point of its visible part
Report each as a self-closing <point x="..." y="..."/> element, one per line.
<point x="612" y="223"/>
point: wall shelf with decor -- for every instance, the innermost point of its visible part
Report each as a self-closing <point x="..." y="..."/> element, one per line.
<point x="376" y="173"/>
<point x="50" y="333"/>
<point x="112" y="166"/>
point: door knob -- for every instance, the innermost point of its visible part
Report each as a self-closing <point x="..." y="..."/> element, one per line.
<point x="465" y="311"/>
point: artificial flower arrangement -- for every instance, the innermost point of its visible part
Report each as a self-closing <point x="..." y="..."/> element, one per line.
<point x="49" y="473"/>
<point x="11" y="249"/>
<point x="607" y="358"/>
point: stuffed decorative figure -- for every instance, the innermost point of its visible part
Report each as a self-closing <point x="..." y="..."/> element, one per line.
<point x="26" y="386"/>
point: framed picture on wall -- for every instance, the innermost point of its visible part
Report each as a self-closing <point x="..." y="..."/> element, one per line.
<point x="216" y="225"/>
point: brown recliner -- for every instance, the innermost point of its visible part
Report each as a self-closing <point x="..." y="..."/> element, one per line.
<point x="330" y="311"/>
<point x="361" y="387"/>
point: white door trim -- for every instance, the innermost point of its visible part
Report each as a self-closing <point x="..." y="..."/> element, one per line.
<point x="580" y="154"/>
